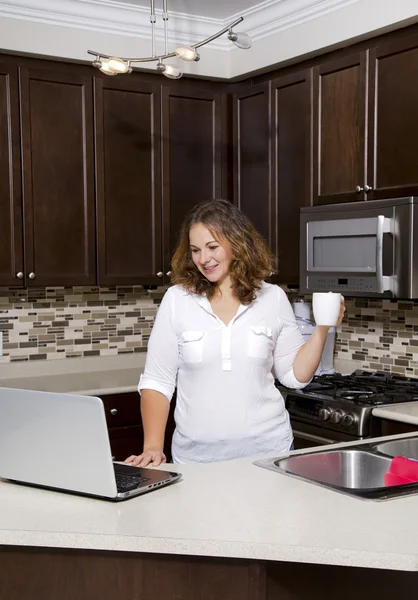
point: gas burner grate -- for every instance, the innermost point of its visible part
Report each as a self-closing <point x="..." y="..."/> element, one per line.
<point x="366" y="388"/>
<point x="323" y="387"/>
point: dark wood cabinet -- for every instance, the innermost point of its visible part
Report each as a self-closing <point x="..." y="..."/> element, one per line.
<point x="58" y="177"/>
<point x="193" y="158"/>
<point x="252" y="159"/>
<point x="393" y="120"/>
<point x="291" y="164"/>
<point x="386" y="427"/>
<point x="99" y="172"/>
<point x="340" y="109"/>
<point x="128" y="181"/>
<point x="124" y="422"/>
<point x="123" y="417"/>
<point x="11" y="229"/>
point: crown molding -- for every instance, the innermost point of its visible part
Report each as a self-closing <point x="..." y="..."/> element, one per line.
<point x="273" y="16"/>
<point x="116" y="18"/>
<point x="123" y="18"/>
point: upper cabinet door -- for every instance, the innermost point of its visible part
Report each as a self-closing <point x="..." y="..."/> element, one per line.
<point x="128" y="181"/>
<point x="252" y="159"/>
<point x="58" y="177"/>
<point x="393" y="119"/>
<point x="292" y="150"/>
<point x="340" y="106"/>
<point x="193" y="170"/>
<point x="11" y="249"/>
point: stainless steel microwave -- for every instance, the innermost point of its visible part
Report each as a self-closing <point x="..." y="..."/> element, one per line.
<point x="361" y="248"/>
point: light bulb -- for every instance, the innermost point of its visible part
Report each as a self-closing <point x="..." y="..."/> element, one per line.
<point x="105" y="67"/>
<point x="117" y="65"/>
<point x="172" y="72"/>
<point x="241" y="40"/>
<point x="186" y="53"/>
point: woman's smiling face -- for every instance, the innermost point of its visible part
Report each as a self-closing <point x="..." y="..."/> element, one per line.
<point x="210" y="256"/>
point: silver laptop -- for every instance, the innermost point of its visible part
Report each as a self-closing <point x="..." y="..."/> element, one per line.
<point x="61" y="441"/>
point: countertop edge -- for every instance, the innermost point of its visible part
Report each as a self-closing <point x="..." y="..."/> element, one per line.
<point x="107" y="391"/>
<point x="391" y="415"/>
<point x="211" y="548"/>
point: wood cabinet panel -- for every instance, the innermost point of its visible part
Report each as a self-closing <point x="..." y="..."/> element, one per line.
<point x="58" y="177"/>
<point x="388" y="427"/>
<point x="393" y="118"/>
<point x="125" y="441"/>
<point x="292" y="154"/>
<point x="52" y="573"/>
<point x="128" y="177"/>
<point x="252" y="160"/>
<point x="122" y="409"/>
<point x="192" y="156"/>
<point x="123" y="417"/>
<point x="11" y="231"/>
<point x="340" y="130"/>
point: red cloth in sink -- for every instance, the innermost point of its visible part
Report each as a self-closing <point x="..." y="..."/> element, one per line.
<point x="401" y="471"/>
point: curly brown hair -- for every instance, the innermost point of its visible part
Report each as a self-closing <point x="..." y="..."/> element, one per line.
<point x="251" y="263"/>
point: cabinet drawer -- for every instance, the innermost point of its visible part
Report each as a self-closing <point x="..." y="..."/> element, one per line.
<point x="122" y="409"/>
<point x="125" y="441"/>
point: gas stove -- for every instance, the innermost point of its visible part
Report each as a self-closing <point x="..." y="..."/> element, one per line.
<point x="340" y="406"/>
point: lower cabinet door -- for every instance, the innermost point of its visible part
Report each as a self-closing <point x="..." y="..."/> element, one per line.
<point x="125" y="441"/>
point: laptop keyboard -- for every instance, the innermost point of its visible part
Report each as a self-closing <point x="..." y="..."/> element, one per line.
<point x="126" y="483"/>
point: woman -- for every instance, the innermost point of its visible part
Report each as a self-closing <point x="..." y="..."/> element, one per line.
<point x="218" y="334"/>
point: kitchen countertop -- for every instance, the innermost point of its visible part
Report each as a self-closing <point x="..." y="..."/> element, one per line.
<point x="405" y="412"/>
<point x="228" y="509"/>
<point x="86" y="376"/>
<point x="93" y="376"/>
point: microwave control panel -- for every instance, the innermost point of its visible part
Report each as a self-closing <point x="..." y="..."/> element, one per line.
<point x="341" y="284"/>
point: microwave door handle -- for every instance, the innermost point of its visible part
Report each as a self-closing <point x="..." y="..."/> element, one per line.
<point x="384" y="225"/>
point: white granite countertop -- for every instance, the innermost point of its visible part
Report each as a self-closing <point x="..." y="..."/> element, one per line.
<point x="86" y="376"/>
<point x="92" y="376"/>
<point x="406" y="412"/>
<point x="228" y="509"/>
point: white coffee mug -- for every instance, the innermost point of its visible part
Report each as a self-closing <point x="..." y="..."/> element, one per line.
<point x="326" y="308"/>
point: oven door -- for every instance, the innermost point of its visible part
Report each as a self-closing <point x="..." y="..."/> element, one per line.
<point x="306" y="435"/>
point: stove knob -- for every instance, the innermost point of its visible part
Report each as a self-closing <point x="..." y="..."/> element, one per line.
<point x="323" y="414"/>
<point x="348" y="420"/>
<point x="336" y="416"/>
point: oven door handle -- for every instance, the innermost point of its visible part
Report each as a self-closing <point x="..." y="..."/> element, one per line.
<point x="311" y="437"/>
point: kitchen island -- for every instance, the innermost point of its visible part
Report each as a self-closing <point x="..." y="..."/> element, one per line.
<point x="227" y="530"/>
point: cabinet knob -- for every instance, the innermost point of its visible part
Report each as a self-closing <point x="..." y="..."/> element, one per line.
<point x="113" y="411"/>
<point x="32" y="275"/>
<point x="160" y="274"/>
<point x="19" y="275"/>
<point x="368" y="188"/>
<point x="359" y="189"/>
<point x="168" y="273"/>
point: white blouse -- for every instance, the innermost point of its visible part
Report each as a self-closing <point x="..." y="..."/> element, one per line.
<point x="227" y="404"/>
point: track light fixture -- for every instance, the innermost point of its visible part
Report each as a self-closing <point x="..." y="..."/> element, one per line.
<point x="112" y="65"/>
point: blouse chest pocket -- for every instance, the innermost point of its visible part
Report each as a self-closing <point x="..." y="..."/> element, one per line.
<point x="191" y="346"/>
<point x="259" y="342"/>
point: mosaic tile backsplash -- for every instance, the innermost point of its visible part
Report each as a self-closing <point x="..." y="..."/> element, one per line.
<point x="60" y="323"/>
<point x="381" y="334"/>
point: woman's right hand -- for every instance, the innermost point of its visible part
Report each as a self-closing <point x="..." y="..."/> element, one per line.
<point x="154" y="456"/>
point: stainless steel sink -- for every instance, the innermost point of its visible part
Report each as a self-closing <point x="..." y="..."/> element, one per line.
<point x="357" y="470"/>
<point x="406" y="447"/>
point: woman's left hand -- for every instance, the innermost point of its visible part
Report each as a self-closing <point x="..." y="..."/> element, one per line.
<point x="342" y="311"/>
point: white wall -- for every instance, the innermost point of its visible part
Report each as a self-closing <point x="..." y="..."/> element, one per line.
<point x="356" y="19"/>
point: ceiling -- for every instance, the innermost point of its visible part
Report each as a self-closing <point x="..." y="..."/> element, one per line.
<point x="215" y="9"/>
